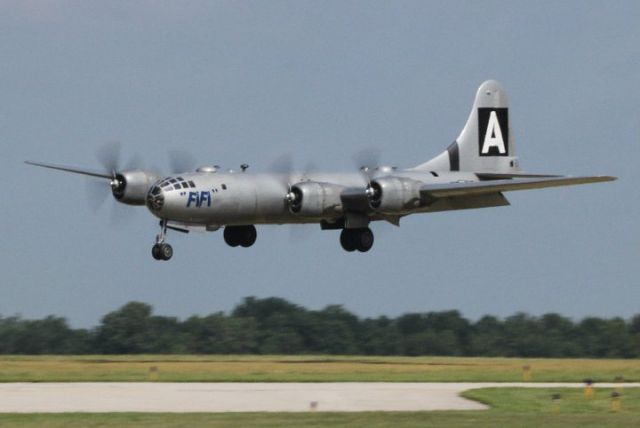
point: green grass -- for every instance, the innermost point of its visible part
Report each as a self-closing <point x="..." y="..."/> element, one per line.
<point x="179" y="368"/>
<point x="510" y="407"/>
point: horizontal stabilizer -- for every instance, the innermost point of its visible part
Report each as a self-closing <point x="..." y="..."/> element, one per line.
<point x="459" y="189"/>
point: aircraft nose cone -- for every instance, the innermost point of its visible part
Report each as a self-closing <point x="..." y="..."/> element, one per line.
<point x="155" y="199"/>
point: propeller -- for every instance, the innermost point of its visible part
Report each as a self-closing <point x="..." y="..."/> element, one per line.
<point x="181" y="161"/>
<point x="283" y="166"/>
<point x="128" y="184"/>
<point x="367" y="160"/>
<point x="109" y="157"/>
<point x="134" y="162"/>
<point x="96" y="194"/>
<point x="294" y="196"/>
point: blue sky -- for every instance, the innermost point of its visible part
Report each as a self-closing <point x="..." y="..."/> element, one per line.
<point x="235" y="82"/>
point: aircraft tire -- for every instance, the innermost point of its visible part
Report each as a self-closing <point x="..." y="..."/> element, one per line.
<point x="347" y="240"/>
<point x="364" y="240"/>
<point x="231" y="236"/>
<point x="155" y="252"/>
<point x="166" y="251"/>
<point x="248" y="235"/>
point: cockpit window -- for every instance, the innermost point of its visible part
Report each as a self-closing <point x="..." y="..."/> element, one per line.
<point x="168" y="184"/>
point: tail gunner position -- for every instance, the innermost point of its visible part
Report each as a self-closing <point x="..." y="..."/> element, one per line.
<point x="473" y="172"/>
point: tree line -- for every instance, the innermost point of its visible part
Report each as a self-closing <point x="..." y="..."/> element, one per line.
<point x="276" y="326"/>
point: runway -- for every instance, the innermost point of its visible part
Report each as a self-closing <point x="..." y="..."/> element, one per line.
<point x="245" y="397"/>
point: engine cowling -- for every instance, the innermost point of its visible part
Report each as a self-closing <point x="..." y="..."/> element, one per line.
<point x="314" y="199"/>
<point x="131" y="187"/>
<point x="394" y="194"/>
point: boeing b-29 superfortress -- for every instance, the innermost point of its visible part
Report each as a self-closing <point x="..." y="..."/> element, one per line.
<point x="473" y="172"/>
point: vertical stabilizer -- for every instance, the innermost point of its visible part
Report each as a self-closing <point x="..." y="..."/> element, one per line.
<point x="486" y="141"/>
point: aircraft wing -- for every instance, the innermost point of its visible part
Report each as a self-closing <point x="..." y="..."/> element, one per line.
<point x="75" y="170"/>
<point x="461" y="189"/>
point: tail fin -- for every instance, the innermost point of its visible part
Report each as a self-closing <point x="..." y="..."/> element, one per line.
<point x="486" y="142"/>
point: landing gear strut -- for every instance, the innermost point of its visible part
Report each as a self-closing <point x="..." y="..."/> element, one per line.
<point x="356" y="239"/>
<point x="244" y="236"/>
<point x="161" y="250"/>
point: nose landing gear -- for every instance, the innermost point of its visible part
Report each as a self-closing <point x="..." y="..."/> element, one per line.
<point x="161" y="250"/>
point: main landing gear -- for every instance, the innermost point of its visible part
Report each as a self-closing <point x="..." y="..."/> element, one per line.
<point x="244" y="236"/>
<point x="357" y="239"/>
<point x="161" y="250"/>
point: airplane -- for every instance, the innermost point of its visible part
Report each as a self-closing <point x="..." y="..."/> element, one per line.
<point x="473" y="172"/>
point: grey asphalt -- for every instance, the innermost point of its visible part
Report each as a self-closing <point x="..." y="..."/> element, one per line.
<point x="246" y="397"/>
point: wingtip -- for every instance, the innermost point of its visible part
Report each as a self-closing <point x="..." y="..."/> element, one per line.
<point x="595" y="178"/>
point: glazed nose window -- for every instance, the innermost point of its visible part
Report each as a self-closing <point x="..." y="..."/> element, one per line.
<point x="155" y="198"/>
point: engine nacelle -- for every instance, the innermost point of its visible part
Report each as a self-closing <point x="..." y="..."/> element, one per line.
<point x="314" y="199"/>
<point x="394" y="194"/>
<point x="131" y="187"/>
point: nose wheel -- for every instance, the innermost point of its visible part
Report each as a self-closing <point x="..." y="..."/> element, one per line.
<point x="161" y="250"/>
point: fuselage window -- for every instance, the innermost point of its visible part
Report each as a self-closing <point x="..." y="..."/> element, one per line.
<point x="224" y="187"/>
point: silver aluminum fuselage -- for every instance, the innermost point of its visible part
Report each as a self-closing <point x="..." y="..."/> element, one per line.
<point x="241" y="198"/>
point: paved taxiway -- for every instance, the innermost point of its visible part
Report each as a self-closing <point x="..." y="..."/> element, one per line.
<point x="245" y="397"/>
